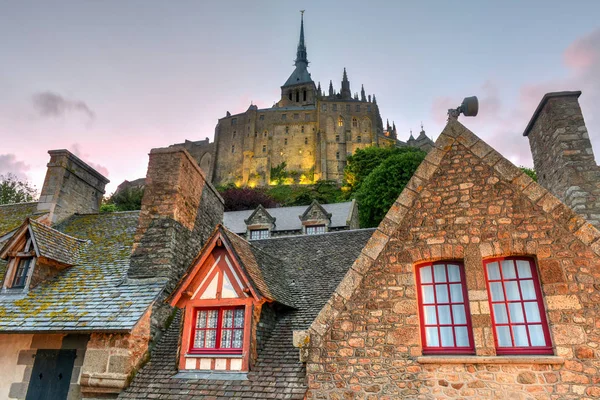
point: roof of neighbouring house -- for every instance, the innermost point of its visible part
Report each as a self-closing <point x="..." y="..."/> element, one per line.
<point x="13" y="215"/>
<point x="312" y="266"/>
<point x="91" y="295"/>
<point x="288" y="218"/>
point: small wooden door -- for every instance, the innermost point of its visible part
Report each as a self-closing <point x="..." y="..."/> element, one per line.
<point x="51" y="375"/>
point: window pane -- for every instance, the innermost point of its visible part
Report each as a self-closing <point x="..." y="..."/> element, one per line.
<point x="441" y="291"/>
<point x="462" y="336"/>
<point x="508" y="269"/>
<point x="439" y="271"/>
<point x="503" y="334"/>
<point x="456" y="293"/>
<point x="447" y="336"/>
<point x="428" y="294"/>
<point x="431" y="336"/>
<point x="512" y="290"/>
<point x="493" y="271"/>
<point x="430" y="317"/>
<point x="227" y="320"/>
<point x="239" y="318"/>
<point x="528" y="290"/>
<point x="459" y="315"/>
<point x="453" y="273"/>
<point x="238" y="335"/>
<point x="532" y="311"/>
<point x="199" y="339"/>
<point x="500" y="313"/>
<point x="201" y="319"/>
<point x="426" y="274"/>
<point x="516" y="312"/>
<point x="444" y="314"/>
<point x="536" y="334"/>
<point x="212" y="318"/>
<point x="497" y="293"/>
<point x="211" y="339"/>
<point x="520" y="334"/>
<point x="226" y="339"/>
<point x="524" y="269"/>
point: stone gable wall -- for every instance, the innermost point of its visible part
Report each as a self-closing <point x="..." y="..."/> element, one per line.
<point x="365" y="344"/>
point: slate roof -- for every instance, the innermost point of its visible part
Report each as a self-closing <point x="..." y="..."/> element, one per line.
<point x="263" y="269"/>
<point x="288" y="218"/>
<point x="93" y="294"/>
<point x="313" y="265"/>
<point x="13" y="215"/>
<point x="56" y="245"/>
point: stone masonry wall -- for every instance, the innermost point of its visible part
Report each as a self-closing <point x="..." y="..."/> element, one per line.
<point x="70" y="186"/>
<point x="563" y="155"/>
<point x="112" y="358"/>
<point x="365" y="343"/>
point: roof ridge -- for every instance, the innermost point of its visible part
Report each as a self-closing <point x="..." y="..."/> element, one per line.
<point x="345" y="231"/>
<point x="43" y="226"/>
<point x="17" y="204"/>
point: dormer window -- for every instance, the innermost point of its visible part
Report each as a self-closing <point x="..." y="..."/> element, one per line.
<point x="20" y="264"/>
<point x="315" y="229"/>
<point x="257" y="234"/>
<point x="218" y="330"/>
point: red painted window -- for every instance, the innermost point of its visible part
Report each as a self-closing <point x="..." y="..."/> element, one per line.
<point x="518" y="315"/>
<point x="218" y="330"/>
<point x="444" y="308"/>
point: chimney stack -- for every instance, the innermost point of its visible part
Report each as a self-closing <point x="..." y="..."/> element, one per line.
<point x="562" y="154"/>
<point x="71" y="186"/>
<point x="180" y="208"/>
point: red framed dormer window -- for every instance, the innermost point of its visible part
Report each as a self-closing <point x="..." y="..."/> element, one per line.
<point x="444" y="308"/>
<point x="518" y="314"/>
<point x="218" y="330"/>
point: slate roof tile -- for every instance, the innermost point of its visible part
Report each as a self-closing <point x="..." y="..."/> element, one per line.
<point x="93" y="294"/>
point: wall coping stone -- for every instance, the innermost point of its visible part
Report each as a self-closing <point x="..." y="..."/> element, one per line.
<point x="490" y="360"/>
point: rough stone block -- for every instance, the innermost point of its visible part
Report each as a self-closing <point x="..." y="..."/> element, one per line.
<point x="376" y="244"/>
<point x="96" y="360"/>
<point x="565" y="334"/>
<point x="563" y="302"/>
<point x="349" y="283"/>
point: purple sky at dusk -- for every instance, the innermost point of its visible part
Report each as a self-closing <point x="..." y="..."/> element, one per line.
<point x="111" y="80"/>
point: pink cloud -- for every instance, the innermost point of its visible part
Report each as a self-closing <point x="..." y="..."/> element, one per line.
<point x="78" y="151"/>
<point x="501" y="124"/>
<point x="10" y="165"/>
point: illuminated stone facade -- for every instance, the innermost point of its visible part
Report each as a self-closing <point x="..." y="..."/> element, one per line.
<point x="310" y="129"/>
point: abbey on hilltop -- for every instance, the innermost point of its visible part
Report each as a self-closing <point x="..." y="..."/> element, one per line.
<point x="311" y="130"/>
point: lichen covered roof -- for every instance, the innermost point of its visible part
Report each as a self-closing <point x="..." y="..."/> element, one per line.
<point x="93" y="294"/>
<point x="55" y="245"/>
<point x="13" y="215"/>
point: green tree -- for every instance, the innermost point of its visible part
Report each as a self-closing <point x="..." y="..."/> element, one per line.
<point x="364" y="161"/>
<point x="384" y="184"/>
<point x="14" y="190"/>
<point x="125" y="200"/>
<point x="530" y="172"/>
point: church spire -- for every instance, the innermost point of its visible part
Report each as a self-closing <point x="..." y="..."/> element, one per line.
<point x="363" y="97"/>
<point x="301" y="57"/>
<point x="346" y="93"/>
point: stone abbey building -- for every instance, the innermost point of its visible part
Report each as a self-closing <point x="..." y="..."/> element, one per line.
<point x="311" y="130"/>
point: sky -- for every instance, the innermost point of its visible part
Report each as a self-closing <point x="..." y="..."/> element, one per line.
<point x="109" y="80"/>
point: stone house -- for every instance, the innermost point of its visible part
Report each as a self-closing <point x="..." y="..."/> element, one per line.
<point x="478" y="283"/>
<point x="82" y="292"/>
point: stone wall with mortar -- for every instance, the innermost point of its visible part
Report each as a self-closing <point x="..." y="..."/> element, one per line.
<point x="563" y="156"/>
<point x="466" y="203"/>
<point x="111" y="359"/>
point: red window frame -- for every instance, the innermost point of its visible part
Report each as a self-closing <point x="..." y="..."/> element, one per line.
<point x="219" y="331"/>
<point x="470" y="348"/>
<point x="510" y="350"/>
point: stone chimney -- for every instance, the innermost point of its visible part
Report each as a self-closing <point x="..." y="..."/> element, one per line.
<point x="71" y="186"/>
<point x="562" y="154"/>
<point x="180" y="208"/>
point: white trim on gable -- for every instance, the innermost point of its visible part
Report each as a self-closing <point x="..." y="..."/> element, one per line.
<point x="206" y="277"/>
<point x="237" y="278"/>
